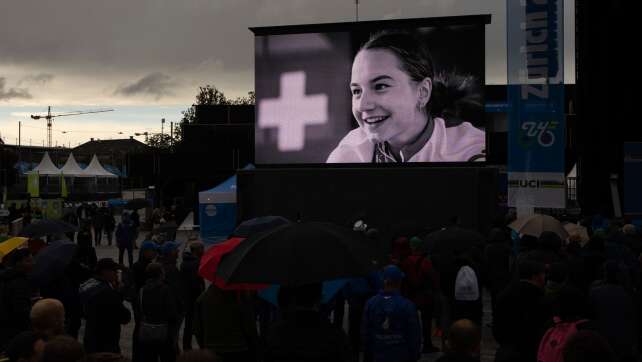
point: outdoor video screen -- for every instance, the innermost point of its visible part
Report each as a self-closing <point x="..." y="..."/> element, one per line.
<point x="372" y="92"/>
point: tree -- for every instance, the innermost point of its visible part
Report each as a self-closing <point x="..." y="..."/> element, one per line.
<point x="208" y="95"/>
<point x="160" y="140"/>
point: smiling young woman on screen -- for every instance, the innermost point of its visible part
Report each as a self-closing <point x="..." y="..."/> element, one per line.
<point x="405" y="111"/>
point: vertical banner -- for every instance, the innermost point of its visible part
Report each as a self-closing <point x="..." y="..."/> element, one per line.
<point x="33" y="184"/>
<point x="537" y="130"/>
<point x="63" y="187"/>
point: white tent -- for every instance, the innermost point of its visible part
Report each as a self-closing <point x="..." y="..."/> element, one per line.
<point x="71" y="167"/>
<point x="46" y="166"/>
<point x="96" y="169"/>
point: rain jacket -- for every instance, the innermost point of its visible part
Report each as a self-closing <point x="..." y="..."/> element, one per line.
<point x="390" y="328"/>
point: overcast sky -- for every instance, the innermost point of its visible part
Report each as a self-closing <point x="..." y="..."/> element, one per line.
<point x="147" y="58"/>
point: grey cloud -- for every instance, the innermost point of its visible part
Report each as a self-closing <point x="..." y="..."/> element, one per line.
<point x="38" y="79"/>
<point x="155" y="84"/>
<point x="12" y="93"/>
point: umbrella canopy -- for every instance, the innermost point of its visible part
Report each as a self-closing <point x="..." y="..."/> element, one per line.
<point x="136" y="204"/>
<point x="536" y="224"/>
<point x="299" y="253"/>
<point x="455" y="240"/>
<point x="211" y="260"/>
<point x="51" y="262"/>
<point x="328" y="290"/>
<point x="575" y="229"/>
<point x="257" y="225"/>
<point x="47" y="227"/>
<point x="11" y="244"/>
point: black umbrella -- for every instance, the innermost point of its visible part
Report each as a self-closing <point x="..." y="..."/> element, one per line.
<point x="136" y="204"/>
<point x="257" y="225"/>
<point x="47" y="227"/>
<point x="51" y="262"/>
<point x="454" y="239"/>
<point x="299" y="253"/>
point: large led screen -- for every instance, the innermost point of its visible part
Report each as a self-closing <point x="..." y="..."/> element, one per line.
<point x="372" y="92"/>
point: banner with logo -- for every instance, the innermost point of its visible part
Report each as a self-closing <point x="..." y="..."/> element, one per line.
<point x="33" y="184"/>
<point x="537" y="129"/>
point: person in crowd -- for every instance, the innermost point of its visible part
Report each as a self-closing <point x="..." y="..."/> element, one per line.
<point x="303" y="334"/>
<point x="98" y="223"/>
<point x="63" y="349"/>
<point x="110" y="224"/>
<point x="48" y="318"/>
<point x="85" y="252"/>
<point x="496" y="263"/>
<point x="463" y="343"/>
<point x="224" y="323"/>
<point x="402" y="106"/>
<point x="421" y="286"/>
<point x="15" y="295"/>
<point x="587" y="346"/>
<point x="169" y="258"/>
<point x="135" y="219"/>
<point x="521" y="314"/>
<point x="71" y="218"/>
<point x="125" y="235"/>
<point x="84" y="236"/>
<point x="390" y="323"/>
<point x="25" y="347"/>
<point x="193" y="286"/>
<point x="158" y="318"/>
<point x="104" y="309"/>
<point x="199" y="355"/>
<point x="614" y="311"/>
<point x="357" y="292"/>
<point x="467" y="292"/>
<point x="147" y="254"/>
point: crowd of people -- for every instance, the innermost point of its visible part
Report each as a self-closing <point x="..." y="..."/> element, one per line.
<point x="551" y="300"/>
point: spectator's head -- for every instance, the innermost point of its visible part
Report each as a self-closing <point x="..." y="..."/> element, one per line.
<point x="629" y="229"/>
<point x="48" y="317"/>
<point x="149" y="250"/>
<point x="532" y="271"/>
<point x="587" y="346"/>
<point x="169" y="251"/>
<point x="558" y="272"/>
<point x="154" y="271"/>
<point x="107" y="270"/>
<point x="21" y="259"/>
<point x="464" y="338"/>
<point x="415" y="244"/>
<point x="198" y="355"/>
<point x="63" y="349"/>
<point x="197" y="248"/>
<point x="392" y="277"/>
<point x="549" y="240"/>
<point x="497" y="235"/>
<point x="25" y="347"/>
<point x="527" y="242"/>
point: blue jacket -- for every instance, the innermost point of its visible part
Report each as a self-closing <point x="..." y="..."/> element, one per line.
<point x="390" y="328"/>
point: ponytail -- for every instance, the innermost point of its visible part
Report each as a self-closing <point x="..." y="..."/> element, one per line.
<point x="456" y="98"/>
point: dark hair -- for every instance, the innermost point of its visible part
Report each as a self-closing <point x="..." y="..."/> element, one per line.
<point x="530" y="268"/>
<point x="63" y="349"/>
<point x="587" y="346"/>
<point x="154" y="271"/>
<point x="454" y="96"/>
<point x="21" y="346"/>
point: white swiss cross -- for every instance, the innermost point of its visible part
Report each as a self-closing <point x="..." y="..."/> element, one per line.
<point x="292" y="111"/>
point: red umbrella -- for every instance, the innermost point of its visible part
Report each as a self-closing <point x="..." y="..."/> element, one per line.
<point x="211" y="259"/>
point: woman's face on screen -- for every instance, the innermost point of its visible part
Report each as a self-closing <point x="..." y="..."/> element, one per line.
<point x="385" y="100"/>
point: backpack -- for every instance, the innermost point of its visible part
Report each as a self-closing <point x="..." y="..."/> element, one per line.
<point x="552" y="344"/>
<point x="466" y="285"/>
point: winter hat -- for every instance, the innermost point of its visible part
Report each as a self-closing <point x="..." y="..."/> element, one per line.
<point x="393" y="273"/>
<point x="169" y="246"/>
<point x="149" y="245"/>
<point x="416" y="242"/>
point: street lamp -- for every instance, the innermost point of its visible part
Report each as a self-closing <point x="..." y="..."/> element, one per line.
<point x="142" y="134"/>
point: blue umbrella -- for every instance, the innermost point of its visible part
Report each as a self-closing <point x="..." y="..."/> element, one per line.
<point x="329" y="289"/>
<point x="257" y="225"/>
<point x="51" y="262"/>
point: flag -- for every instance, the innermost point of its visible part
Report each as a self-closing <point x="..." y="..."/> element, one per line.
<point x="33" y="184"/>
<point x="63" y="187"/>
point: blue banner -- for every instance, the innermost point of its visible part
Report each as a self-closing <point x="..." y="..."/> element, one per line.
<point x="537" y="129"/>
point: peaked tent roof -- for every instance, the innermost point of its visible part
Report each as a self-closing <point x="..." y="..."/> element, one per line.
<point x="46" y="166"/>
<point x="71" y="167"/>
<point x="96" y="169"/>
<point x="225" y="192"/>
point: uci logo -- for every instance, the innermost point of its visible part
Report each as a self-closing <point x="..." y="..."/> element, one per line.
<point x="538" y="131"/>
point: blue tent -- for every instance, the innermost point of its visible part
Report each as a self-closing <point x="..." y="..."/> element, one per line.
<point x="217" y="211"/>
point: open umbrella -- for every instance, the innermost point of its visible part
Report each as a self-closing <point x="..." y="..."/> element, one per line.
<point x="47" y="227"/>
<point x="136" y="204"/>
<point x="51" y="262"/>
<point x="454" y="239"/>
<point x="576" y="229"/>
<point x="536" y="224"/>
<point x="211" y="260"/>
<point x="10" y="244"/>
<point x="299" y="253"/>
<point x="258" y="224"/>
<point x="328" y="290"/>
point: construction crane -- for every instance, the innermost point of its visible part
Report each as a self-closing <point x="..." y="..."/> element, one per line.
<point x="50" y="116"/>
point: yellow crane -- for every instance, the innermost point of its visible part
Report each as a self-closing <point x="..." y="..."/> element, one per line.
<point x="50" y="116"/>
